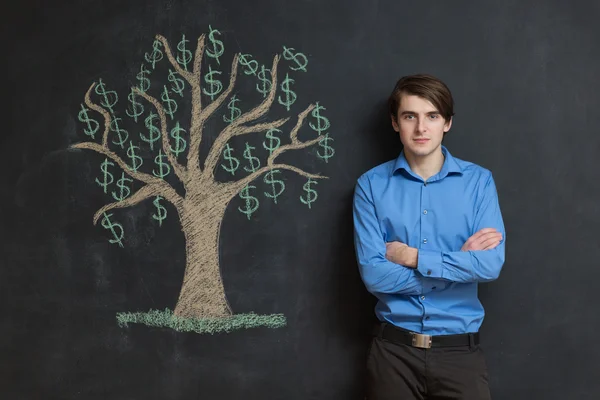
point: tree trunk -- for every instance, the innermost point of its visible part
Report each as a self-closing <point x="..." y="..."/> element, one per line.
<point x="202" y="293"/>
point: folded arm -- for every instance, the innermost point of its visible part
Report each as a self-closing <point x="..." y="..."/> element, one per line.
<point x="379" y="274"/>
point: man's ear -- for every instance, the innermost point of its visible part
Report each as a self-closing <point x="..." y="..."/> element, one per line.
<point x="395" y="123"/>
<point x="448" y="125"/>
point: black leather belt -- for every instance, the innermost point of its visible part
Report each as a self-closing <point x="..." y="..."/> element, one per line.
<point x="395" y="334"/>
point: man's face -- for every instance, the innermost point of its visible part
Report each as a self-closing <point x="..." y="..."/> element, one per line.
<point x="420" y="125"/>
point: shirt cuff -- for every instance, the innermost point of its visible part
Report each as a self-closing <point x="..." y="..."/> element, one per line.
<point x="429" y="263"/>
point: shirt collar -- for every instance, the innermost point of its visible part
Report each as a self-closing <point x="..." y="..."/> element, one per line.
<point x="450" y="164"/>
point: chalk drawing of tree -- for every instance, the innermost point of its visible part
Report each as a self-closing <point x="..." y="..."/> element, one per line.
<point x="174" y="142"/>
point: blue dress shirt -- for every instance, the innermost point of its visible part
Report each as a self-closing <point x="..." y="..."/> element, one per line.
<point x="436" y="216"/>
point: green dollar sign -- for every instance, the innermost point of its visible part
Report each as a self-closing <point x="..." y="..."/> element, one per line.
<point x="171" y="105"/>
<point x="156" y="54"/>
<point x="251" y="201"/>
<point x="136" y="161"/>
<point x="215" y="85"/>
<point x="124" y="190"/>
<point x="273" y="182"/>
<point x="109" y="97"/>
<point x="178" y="83"/>
<point x="107" y="177"/>
<point x="264" y="87"/>
<point x="218" y="48"/>
<point x="299" y="58"/>
<point x="234" y="163"/>
<point x="121" y="133"/>
<point x="107" y="224"/>
<point x="92" y="124"/>
<point x="144" y="82"/>
<point x="163" y="168"/>
<point x="328" y="151"/>
<point x="254" y="162"/>
<point x="251" y="65"/>
<point x="274" y="141"/>
<point x="136" y="109"/>
<point x="234" y="112"/>
<point x="311" y="194"/>
<point x="154" y="131"/>
<point x="185" y="56"/>
<point x="161" y="212"/>
<point x="290" y="96"/>
<point x="180" y="143"/>
<point x="322" y="122"/>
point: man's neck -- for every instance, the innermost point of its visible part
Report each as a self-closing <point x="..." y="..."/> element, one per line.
<point x="426" y="166"/>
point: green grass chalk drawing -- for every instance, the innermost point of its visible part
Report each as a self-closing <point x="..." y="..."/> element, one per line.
<point x="166" y="319"/>
<point x="163" y="146"/>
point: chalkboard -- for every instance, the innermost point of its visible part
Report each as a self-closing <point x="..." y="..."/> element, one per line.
<point x="177" y="179"/>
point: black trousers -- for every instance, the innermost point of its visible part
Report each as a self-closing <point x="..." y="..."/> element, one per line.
<point x="398" y="371"/>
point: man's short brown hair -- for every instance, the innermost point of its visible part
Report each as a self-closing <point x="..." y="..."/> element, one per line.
<point x="426" y="86"/>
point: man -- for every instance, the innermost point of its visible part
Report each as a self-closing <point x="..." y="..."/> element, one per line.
<point x="428" y="229"/>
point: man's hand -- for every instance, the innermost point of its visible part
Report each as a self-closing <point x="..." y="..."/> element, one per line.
<point x="401" y="253"/>
<point x="485" y="239"/>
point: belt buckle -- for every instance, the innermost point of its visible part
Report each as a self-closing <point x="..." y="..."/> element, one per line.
<point x="421" y="341"/>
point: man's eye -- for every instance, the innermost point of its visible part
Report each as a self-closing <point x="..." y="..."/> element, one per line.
<point x="409" y="116"/>
<point x="433" y="116"/>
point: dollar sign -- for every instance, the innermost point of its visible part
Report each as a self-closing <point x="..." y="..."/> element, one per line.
<point x="124" y="191"/>
<point x="273" y="182"/>
<point x="162" y="166"/>
<point x="109" y="97"/>
<point x="156" y="54"/>
<point x="254" y="162"/>
<point x="234" y="112"/>
<point x="264" y="87"/>
<point x="328" y="151"/>
<point x="290" y="96"/>
<point x="92" y="124"/>
<point x="136" y="109"/>
<point x="178" y="83"/>
<point x="136" y="161"/>
<point x="107" y="177"/>
<point x="272" y="138"/>
<point x="232" y="160"/>
<point x="185" y="56"/>
<point x="311" y="194"/>
<point x="121" y="133"/>
<point x="215" y="85"/>
<point x="218" y="47"/>
<point x="251" y="201"/>
<point x="161" y="212"/>
<point x="299" y="58"/>
<point x="144" y="82"/>
<point x="107" y="224"/>
<point x="322" y="122"/>
<point x="171" y="105"/>
<point x="180" y="143"/>
<point x="154" y="131"/>
<point x="251" y="65"/>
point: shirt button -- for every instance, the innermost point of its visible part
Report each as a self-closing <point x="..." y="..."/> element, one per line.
<point x="422" y="297"/>
<point x="425" y="212"/>
<point x="424" y="240"/>
<point x="433" y="288"/>
<point x="427" y="317"/>
<point x="428" y="272"/>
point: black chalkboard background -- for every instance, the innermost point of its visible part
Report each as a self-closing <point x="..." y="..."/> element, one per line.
<point x="524" y="75"/>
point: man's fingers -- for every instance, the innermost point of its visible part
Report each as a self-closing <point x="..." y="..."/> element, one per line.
<point x="482" y="232"/>
<point x="491" y="242"/>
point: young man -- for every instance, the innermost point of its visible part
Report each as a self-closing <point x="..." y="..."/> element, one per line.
<point x="427" y="229"/>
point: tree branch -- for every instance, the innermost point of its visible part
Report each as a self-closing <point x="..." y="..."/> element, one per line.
<point x="106" y="114"/>
<point x="166" y="190"/>
<point x="190" y="77"/>
<point x="142" y="194"/>
<point x="215" y="152"/>
<point x="262" y="108"/>
<point x="179" y="170"/>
